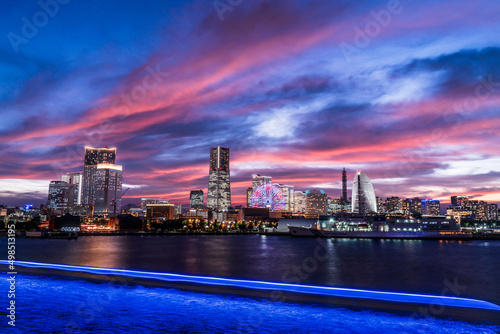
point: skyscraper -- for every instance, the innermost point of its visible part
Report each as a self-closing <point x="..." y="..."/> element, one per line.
<point x="219" y="187"/>
<point x="74" y="179"/>
<point x="363" y="194"/>
<point x="107" y="189"/>
<point x="196" y="199"/>
<point x="93" y="157"/>
<point x="59" y="193"/>
<point x="344" y="186"/>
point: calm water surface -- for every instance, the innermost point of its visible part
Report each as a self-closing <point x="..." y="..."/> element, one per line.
<point x="453" y="268"/>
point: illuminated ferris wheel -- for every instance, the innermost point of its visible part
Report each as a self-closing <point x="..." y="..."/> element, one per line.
<point x="268" y="196"/>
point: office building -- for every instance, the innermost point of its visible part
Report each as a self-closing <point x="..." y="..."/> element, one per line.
<point x="94" y="157"/>
<point x="288" y="196"/>
<point x="150" y="200"/>
<point x="74" y="179"/>
<point x="317" y="202"/>
<point x="416" y="206"/>
<point x="431" y="207"/>
<point x="344" y="187"/>
<point x="249" y="196"/>
<point x="299" y="201"/>
<point x="394" y="205"/>
<point x="107" y="190"/>
<point x="160" y="211"/>
<point x="492" y="212"/>
<point x="59" y="195"/>
<point x="363" y="195"/>
<point x="196" y="199"/>
<point x="219" y="187"/>
<point x="380" y="205"/>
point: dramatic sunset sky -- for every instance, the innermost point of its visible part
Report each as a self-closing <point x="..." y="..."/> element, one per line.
<point x="408" y="92"/>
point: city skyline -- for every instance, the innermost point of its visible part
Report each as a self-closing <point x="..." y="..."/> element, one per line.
<point x="414" y="103"/>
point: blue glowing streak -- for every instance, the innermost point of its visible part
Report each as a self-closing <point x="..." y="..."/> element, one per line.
<point x="261" y="285"/>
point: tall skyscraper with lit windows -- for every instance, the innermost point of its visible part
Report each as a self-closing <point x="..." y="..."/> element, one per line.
<point x="219" y="186"/>
<point x="93" y="157"/>
<point x="107" y="189"/>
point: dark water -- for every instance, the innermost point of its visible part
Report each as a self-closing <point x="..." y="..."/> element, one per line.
<point x="451" y="268"/>
<point x="53" y="305"/>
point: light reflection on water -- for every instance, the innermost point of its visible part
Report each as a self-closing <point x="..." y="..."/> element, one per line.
<point x="391" y="265"/>
<point x="74" y="306"/>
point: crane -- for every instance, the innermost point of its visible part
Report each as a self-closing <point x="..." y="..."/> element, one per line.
<point x="115" y="201"/>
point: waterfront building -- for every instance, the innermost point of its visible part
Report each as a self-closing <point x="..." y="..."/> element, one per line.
<point x="316" y="202"/>
<point x="288" y="195"/>
<point x="405" y="206"/>
<point x="380" y="205"/>
<point x="363" y="195"/>
<point x="394" y="205"/>
<point x="431" y="207"/>
<point x="150" y="200"/>
<point x="59" y="195"/>
<point x="196" y="199"/>
<point x="416" y="206"/>
<point x="459" y="213"/>
<point x="249" y="195"/>
<point x="492" y="212"/>
<point x="160" y="211"/>
<point x="94" y="157"/>
<point x="219" y="187"/>
<point x="299" y="201"/>
<point x="107" y="189"/>
<point x="75" y="179"/>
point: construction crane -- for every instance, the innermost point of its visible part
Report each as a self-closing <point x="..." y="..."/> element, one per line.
<point x="115" y="201"/>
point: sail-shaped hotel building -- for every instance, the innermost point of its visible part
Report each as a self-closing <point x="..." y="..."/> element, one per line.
<point x="363" y="195"/>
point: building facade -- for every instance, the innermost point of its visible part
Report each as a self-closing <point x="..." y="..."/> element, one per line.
<point x="299" y="201"/>
<point x="196" y="199"/>
<point x="363" y="195"/>
<point x="74" y="179"/>
<point x="317" y="203"/>
<point x="107" y="189"/>
<point x="94" y="157"/>
<point x="431" y="207"/>
<point x="59" y="195"/>
<point x="288" y="195"/>
<point x="416" y="206"/>
<point x="219" y="186"/>
<point x="393" y="205"/>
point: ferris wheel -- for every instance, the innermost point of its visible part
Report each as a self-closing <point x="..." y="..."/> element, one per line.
<point x="268" y="196"/>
